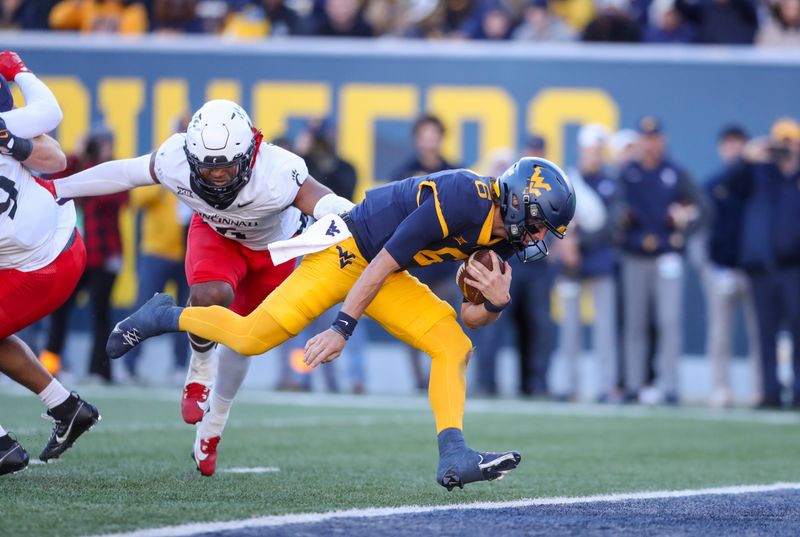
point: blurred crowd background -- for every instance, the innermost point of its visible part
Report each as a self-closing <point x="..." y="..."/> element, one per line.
<point x="767" y="23"/>
<point x="615" y="291"/>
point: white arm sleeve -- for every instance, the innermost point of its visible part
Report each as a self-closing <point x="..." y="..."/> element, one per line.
<point x="106" y="178"/>
<point x="331" y="204"/>
<point x="41" y="113"/>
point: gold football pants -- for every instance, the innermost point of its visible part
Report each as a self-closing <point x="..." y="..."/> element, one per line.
<point x="406" y="308"/>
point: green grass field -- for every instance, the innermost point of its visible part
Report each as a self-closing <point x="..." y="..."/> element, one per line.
<point x="133" y="470"/>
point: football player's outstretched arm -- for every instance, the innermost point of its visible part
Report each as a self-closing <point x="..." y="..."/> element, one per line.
<point x="317" y="200"/>
<point x="108" y="178"/>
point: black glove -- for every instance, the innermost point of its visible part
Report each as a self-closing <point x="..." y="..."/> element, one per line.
<point x="18" y="148"/>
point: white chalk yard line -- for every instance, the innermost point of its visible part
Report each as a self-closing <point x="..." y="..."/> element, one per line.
<point x="251" y="470"/>
<point x="186" y="530"/>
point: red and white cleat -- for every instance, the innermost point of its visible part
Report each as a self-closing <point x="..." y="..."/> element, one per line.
<point x="205" y="454"/>
<point x="194" y="403"/>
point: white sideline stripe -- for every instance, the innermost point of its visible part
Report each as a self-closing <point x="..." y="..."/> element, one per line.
<point x="251" y="470"/>
<point x="186" y="530"/>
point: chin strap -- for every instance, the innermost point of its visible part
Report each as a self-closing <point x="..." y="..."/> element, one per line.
<point x="258" y="138"/>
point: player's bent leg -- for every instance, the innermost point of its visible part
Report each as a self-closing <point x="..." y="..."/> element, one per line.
<point x="450" y="349"/>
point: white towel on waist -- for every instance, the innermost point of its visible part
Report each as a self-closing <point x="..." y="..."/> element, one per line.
<point x="325" y="232"/>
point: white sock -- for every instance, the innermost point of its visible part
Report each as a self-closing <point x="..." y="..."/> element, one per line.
<point x="214" y="422"/>
<point x="2" y="431"/>
<point x="54" y="394"/>
<point x="202" y="367"/>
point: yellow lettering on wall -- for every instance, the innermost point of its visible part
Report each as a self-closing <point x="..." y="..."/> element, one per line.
<point x="360" y="106"/>
<point x="492" y="108"/>
<point x="170" y="101"/>
<point x="224" y="89"/>
<point x="73" y="98"/>
<point x="553" y="109"/>
<point x="274" y="103"/>
<point x="121" y="101"/>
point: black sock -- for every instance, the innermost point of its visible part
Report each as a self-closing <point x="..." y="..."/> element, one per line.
<point x="66" y="408"/>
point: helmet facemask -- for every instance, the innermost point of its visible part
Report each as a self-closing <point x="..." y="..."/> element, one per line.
<point x="219" y="196"/>
<point x="220" y="137"/>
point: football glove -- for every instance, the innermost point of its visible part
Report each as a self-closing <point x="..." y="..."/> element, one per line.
<point x="14" y="146"/>
<point x="11" y="65"/>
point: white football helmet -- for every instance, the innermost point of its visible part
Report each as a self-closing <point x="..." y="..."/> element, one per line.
<point x="220" y="143"/>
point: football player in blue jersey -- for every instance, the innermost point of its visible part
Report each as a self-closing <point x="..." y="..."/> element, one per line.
<point x="361" y="257"/>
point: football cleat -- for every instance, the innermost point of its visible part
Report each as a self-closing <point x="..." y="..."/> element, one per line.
<point x="156" y="316"/>
<point x="194" y="403"/>
<point x="13" y="458"/>
<point x="459" y="465"/>
<point x="77" y="418"/>
<point x="204" y="454"/>
<point x="471" y="466"/>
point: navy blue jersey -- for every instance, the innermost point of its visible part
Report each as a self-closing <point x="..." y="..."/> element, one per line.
<point x="444" y="216"/>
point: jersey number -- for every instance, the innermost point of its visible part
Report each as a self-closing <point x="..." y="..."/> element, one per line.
<point x="428" y="257"/>
<point x="483" y="190"/>
<point x="230" y="232"/>
<point x="7" y="186"/>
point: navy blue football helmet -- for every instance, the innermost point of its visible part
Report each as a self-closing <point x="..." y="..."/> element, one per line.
<point x="534" y="192"/>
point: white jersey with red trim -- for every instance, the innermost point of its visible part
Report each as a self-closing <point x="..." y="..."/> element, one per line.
<point x="262" y="211"/>
<point x="34" y="229"/>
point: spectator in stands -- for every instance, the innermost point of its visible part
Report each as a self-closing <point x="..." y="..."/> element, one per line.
<point x="589" y="260"/>
<point x="400" y="17"/>
<point x="726" y="285"/>
<point x="263" y="18"/>
<point x="457" y="15"/>
<point x="666" y="25"/>
<point x="104" y="261"/>
<point x="492" y="23"/>
<point x="22" y="15"/>
<point x="541" y="25"/>
<point x="104" y="16"/>
<point x="782" y="27"/>
<point x="657" y="206"/>
<point x="612" y="22"/>
<point x="163" y="222"/>
<point x="576" y="13"/>
<point x="340" y="18"/>
<point x="722" y="22"/>
<point x="176" y="16"/>
<point x="769" y="178"/>
<point x="528" y="315"/>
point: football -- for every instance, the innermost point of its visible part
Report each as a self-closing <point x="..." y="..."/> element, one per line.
<point x="483" y="257"/>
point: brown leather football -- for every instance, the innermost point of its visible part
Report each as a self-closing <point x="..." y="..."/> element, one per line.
<point x="482" y="257"/>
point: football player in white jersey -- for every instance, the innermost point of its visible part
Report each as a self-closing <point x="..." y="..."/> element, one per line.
<point x="245" y="193"/>
<point x="38" y="240"/>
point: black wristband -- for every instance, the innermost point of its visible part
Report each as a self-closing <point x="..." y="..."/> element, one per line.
<point x="491" y="308"/>
<point x="20" y="148"/>
<point x="344" y="325"/>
